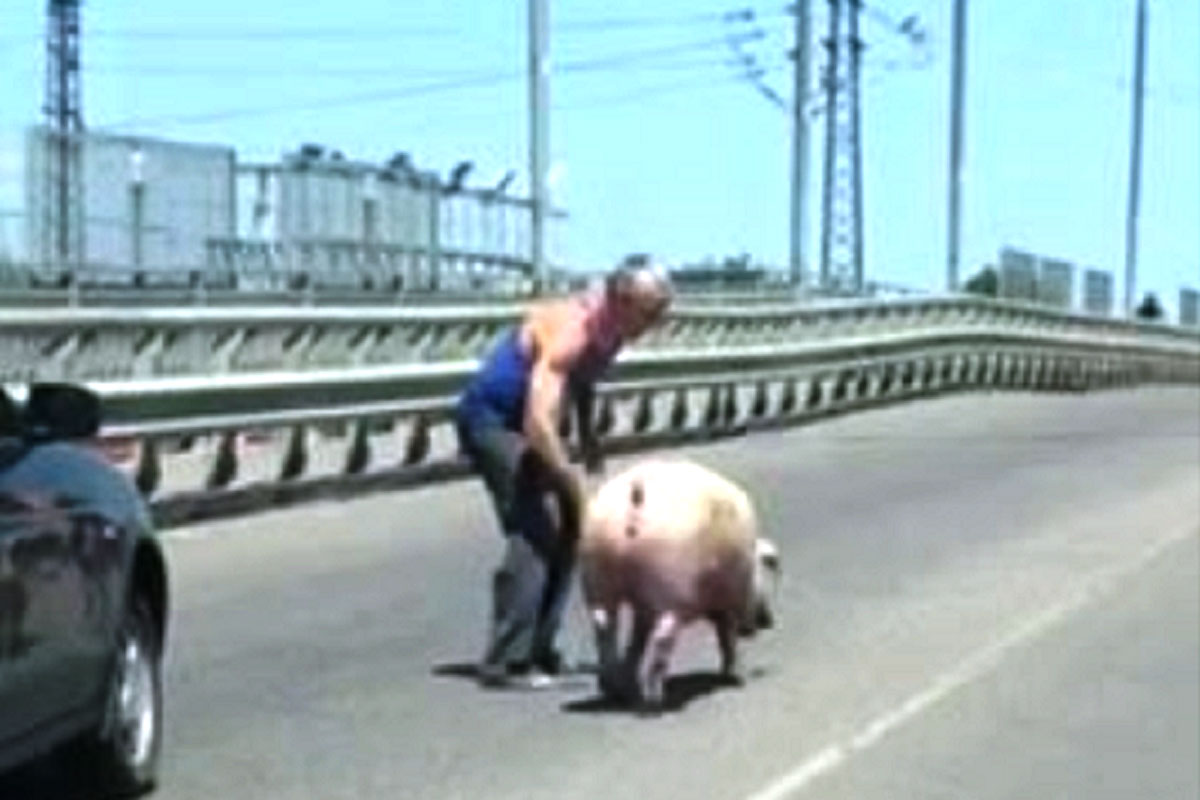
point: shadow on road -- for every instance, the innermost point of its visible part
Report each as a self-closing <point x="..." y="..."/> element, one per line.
<point x="466" y="670"/>
<point x="679" y="691"/>
<point x="469" y="670"/>
<point x="53" y="777"/>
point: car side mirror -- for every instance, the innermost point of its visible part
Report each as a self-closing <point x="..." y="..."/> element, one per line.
<point x="58" y="411"/>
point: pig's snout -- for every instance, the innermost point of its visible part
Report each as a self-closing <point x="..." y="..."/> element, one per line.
<point x="766" y="579"/>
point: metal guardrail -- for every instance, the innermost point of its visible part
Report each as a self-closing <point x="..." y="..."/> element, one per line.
<point x="202" y="448"/>
<point x="213" y="297"/>
<point x="95" y="344"/>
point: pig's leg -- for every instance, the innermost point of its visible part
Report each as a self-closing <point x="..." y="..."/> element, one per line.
<point x="726" y="626"/>
<point x="635" y="650"/>
<point x="604" y="626"/>
<point x="662" y="643"/>
<point x="602" y="597"/>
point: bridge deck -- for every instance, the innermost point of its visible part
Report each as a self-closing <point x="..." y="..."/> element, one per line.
<point x="985" y="596"/>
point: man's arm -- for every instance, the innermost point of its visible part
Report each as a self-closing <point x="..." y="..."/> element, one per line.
<point x="589" y="443"/>
<point x="557" y="343"/>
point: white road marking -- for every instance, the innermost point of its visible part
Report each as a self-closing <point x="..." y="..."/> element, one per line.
<point x="187" y="534"/>
<point x="975" y="665"/>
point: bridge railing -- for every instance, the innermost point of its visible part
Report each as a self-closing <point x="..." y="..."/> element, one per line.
<point x="207" y="446"/>
<point x="92" y="344"/>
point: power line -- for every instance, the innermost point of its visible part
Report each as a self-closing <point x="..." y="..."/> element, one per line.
<point x="449" y="84"/>
<point x="622" y="58"/>
<point x="618" y="59"/>
<point x="174" y="71"/>
<point x="359" y="32"/>
<point x="623" y="98"/>
<point x="269" y="34"/>
<point x="658" y="21"/>
<point x="652" y="91"/>
<point x="910" y="27"/>
<point x="329" y="102"/>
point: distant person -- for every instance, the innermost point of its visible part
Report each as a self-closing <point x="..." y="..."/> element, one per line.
<point x="507" y="420"/>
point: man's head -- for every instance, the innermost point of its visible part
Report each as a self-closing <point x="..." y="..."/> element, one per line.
<point x="639" y="294"/>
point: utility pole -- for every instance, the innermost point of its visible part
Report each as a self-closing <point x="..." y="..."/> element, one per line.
<point x="956" y="131"/>
<point x="63" y="221"/>
<point x="1135" y="160"/>
<point x="539" y="133"/>
<point x="832" y="95"/>
<point x="856" y="48"/>
<point x="841" y="234"/>
<point x="799" y="142"/>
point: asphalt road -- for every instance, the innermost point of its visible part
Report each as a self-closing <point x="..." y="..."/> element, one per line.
<point x="984" y="597"/>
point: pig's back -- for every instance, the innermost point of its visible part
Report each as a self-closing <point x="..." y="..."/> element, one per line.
<point x="679" y="534"/>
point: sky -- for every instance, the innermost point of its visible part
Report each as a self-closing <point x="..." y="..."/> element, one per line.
<point x="656" y="143"/>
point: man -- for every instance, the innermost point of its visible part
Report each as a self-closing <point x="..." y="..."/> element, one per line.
<point x="507" y="420"/>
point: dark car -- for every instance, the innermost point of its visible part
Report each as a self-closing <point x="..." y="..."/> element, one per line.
<point x="83" y="599"/>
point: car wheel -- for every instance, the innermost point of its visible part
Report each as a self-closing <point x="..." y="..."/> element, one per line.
<point x="123" y="753"/>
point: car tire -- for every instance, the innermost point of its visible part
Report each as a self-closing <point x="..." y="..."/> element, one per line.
<point x="121" y="755"/>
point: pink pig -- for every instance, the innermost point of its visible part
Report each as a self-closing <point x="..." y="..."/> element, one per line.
<point x="678" y="543"/>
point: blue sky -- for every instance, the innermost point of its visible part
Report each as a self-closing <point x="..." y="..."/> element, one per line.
<point x="660" y="146"/>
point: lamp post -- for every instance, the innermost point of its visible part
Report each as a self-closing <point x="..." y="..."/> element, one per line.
<point x="539" y="133"/>
<point x="1135" y="160"/>
<point x="137" y="198"/>
<point x="957" y="78"/>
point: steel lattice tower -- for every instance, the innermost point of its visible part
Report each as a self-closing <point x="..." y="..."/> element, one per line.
<point x="841" y="231"/>
<point x="63" y="222"/>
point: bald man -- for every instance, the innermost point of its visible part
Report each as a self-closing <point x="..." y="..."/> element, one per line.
<point x="507" y="420"/>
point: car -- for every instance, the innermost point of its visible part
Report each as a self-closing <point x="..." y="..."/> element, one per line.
<point x="83" y="599"/>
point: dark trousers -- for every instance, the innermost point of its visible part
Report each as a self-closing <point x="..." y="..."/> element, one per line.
<point x="531" y="586"/>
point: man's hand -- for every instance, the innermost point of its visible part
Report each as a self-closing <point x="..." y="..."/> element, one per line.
<point x="593" y="458"/>
<point x="573" y="493"/>
<point x="579" y="490"/>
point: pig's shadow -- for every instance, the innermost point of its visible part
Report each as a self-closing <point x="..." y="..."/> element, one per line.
<point x="469" y="670"/>
<point x="679" y="691"/>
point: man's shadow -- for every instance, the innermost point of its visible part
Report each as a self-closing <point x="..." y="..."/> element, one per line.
<point x="466" y="670"/>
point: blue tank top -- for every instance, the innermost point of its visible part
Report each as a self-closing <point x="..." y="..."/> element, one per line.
<point x="499" y="389"/>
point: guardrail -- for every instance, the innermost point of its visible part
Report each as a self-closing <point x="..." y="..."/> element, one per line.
<point x="94" y="344"/>
<point x="183" y="296"/>
<point x="202" y="448"/>
<point x="178" y="295"/>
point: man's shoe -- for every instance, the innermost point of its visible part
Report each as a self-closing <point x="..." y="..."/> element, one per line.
<point x="496" y="676"/>
<point x="554" y="663"/>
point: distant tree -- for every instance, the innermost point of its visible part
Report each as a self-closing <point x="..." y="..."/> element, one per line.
<point x="985" y="282"/>
<point x="1150" y="307"/>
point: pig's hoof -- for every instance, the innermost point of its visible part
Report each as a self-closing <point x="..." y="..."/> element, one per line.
<point x="732" y="678"/>
<point x="650" y="699"/>
<point x="610" y="687"/>
<point x="616" y="687"/>
<point x="650" y="707"/>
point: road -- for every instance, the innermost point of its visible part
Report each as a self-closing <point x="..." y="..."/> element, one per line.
<point x="988" y="596"/>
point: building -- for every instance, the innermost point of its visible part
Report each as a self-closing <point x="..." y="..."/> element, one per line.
<point x="158" y="211"/>
<point x="149" y="206"/>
